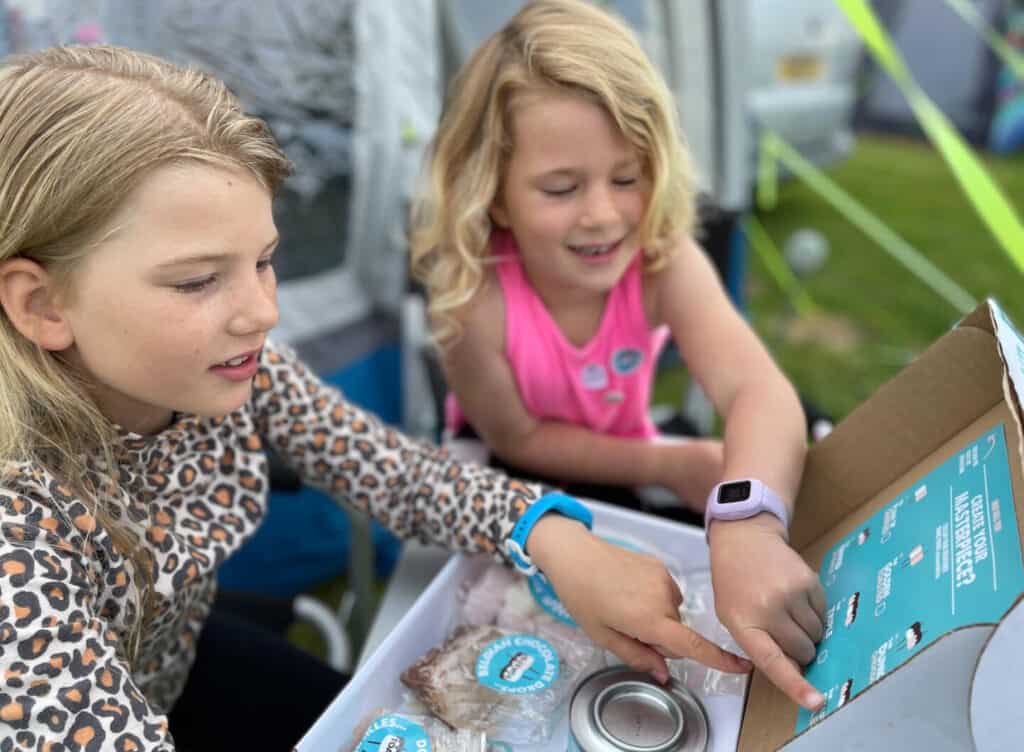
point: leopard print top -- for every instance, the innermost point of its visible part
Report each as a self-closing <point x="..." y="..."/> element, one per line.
<point x="195" y="492"/>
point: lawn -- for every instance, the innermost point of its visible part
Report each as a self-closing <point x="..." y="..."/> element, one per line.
<point x="875" y="315"/>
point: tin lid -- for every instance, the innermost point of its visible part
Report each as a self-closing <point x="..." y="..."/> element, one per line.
<point x="621" y="710"/>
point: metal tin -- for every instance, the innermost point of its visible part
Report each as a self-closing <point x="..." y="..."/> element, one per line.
<point x="621" y="710"/>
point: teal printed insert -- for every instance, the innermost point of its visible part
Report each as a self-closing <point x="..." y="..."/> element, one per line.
<point x="944" y="554"/>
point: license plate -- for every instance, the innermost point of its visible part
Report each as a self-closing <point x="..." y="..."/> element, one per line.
<point x="798" y="68"/>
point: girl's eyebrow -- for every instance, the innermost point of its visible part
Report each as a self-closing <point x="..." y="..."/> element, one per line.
<point x="209" y="257"/>
<point x="570" y="171"/>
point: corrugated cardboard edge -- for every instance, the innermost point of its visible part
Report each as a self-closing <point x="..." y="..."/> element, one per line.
<point x="897" y="429"/>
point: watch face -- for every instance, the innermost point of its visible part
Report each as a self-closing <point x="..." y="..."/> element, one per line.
<point x="730" y="493"/>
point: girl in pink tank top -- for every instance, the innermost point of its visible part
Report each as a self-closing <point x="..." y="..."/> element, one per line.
<point x="604" y="385"/>
<point x="554" y="244"/>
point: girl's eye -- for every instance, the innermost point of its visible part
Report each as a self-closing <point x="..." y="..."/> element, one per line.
<point x="559" y="191"/>
<point x="195" y="285"/>
<point x="624" y="181"/>
<point x="265" y="263"/>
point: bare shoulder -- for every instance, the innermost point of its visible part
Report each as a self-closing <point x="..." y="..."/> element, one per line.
<point x="687" y="284"/>
<point x="482" y="320"/>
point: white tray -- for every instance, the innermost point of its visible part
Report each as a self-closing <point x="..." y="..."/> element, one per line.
<point x="431" y="617"/>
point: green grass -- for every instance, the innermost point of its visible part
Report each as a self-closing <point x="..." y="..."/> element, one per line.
<point x="875" y="315"/>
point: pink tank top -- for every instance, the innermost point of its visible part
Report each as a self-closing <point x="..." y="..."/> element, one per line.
<point x="605" y="385"/>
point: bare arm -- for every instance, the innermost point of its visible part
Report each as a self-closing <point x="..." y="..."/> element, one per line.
<point x="478" y="373"/>
<point x="764" y="423"/>
<point x="765" y="594"/>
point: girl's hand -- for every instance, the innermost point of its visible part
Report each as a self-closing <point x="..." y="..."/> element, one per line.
<point x="625" y="601"/>
<point x="770" y="601"/>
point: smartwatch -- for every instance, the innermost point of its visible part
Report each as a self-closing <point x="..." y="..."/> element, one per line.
<point x="739" y="499"/>
<point x="515" y="544"/>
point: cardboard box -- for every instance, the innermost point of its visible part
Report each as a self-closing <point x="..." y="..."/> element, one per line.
<point x="431" y="617"/>
<point x="945" y="434"/>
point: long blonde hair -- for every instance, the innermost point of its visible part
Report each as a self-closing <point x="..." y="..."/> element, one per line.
<point x="80" y="127"/>
<point x="562" y="45"/>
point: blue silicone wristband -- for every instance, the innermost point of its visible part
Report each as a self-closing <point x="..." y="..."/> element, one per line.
<point x="515" y="545"/>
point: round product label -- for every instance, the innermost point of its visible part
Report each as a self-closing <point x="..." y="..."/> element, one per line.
<point x="518" y="664"/>
<point x="393" y="733"/>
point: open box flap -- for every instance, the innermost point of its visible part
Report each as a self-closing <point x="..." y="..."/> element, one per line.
<point x="955" y="380"/>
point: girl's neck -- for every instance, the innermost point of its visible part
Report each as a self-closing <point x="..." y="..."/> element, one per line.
<point x="577" y="312"/>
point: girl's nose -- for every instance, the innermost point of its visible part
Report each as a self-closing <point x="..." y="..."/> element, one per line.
<point x="599" y="208"/>
<point x="256" y="309"/>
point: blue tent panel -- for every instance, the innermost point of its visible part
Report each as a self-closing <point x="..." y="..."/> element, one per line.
<point x="305" y="537"/>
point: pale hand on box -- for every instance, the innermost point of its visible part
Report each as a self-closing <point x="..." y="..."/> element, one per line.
<point x="769" y="599"/>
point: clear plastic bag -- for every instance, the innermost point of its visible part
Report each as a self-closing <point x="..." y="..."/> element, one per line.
<point x="505" y="683"/>
<point x="391" y="731"/>
<point x="503" y="597"/>
<point x="698" y="613"/>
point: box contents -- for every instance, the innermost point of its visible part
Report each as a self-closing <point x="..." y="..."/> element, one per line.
<point x="388" y="731"/>
<point x="618" y="709"/>
<point x="503" y="597"/>
<point x="493" y="679"/>
<point x="432" y="618"/>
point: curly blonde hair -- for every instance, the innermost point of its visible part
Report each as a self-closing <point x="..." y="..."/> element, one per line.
<point x="550" y="45"/>
<point x="80" y="128"/>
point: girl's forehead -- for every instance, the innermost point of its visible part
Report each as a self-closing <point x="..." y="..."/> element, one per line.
<point x="566" y="127"/>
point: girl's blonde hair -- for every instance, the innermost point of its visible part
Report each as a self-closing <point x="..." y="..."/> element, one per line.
<point x="550" y="45"/>
<point x="80" y="127"/>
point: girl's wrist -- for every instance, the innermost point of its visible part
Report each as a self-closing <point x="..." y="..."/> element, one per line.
<point x="552" y="534"/>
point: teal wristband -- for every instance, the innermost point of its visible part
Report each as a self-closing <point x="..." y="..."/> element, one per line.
<point x="515" y="545"/>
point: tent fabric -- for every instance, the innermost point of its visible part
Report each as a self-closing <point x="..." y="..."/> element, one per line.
<point x="961" y="80"/>
<point x="1007" y="133"/>
<point x="351" y="90"/>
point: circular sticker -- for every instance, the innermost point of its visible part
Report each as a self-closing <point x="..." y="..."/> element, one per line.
<point x="593" y="376"/>
<point x="393" y="733"/>
<point x="518" y="664"/>
<point x="627" y="360"/>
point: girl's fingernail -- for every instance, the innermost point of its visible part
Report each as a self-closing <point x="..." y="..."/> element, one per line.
<point x="660" y="675"/>
<point x="814" y="700"/>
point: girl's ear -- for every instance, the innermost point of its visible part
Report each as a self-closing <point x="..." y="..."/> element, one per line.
<point x="29" y="297"/>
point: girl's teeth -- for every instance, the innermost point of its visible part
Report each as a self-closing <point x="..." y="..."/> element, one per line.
<point x="236" y="361"/>
<point x="591" y="250"/>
